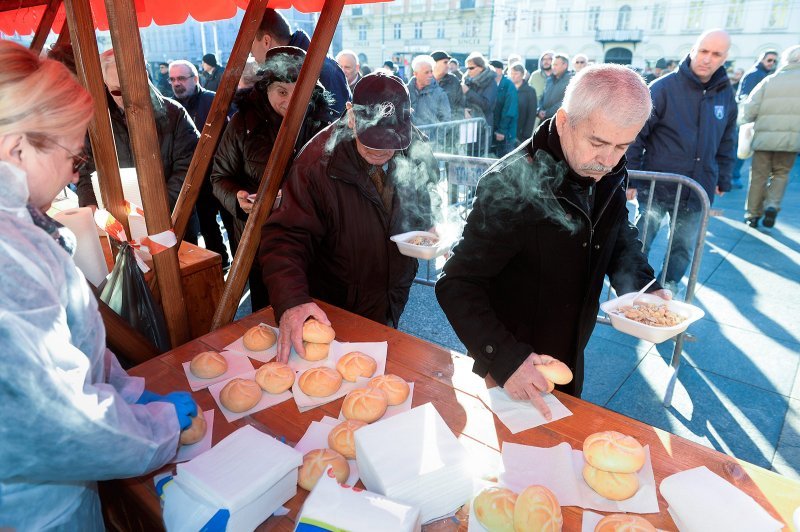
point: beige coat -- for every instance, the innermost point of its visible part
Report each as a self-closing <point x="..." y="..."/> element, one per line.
<point x="774" y="106"/>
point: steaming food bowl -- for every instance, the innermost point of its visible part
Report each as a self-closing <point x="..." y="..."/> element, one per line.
<point x="650" y="333"/>
<point x="421" y="244"/>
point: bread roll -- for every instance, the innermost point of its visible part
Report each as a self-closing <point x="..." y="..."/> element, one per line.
<point x="208" y="365"/>
<point x="317" y="332"/>
<point x="356" y="364"/>
<point x="316" y="462"/>
<point x="259" y="338"/>
<point x="365" y="404"/>
<point x="315" y="352"/>
<point x="275" y="377"/>
<point x="240" y="395"/>
<point x="555" y="371"/>
<point x="494" y="508"/>
<point x="624" y="523"/>
<point x="613" y="452"/>
<point x="341" y="438"/>
<point x="614" y="486"/>
<point x="320" y="382"/>
<point x="395" y="388"/>
<point x="537" y="509"/>
<point x="196" y="430"/>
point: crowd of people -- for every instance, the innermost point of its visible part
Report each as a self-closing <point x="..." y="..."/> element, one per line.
<point x="361" y="171"/>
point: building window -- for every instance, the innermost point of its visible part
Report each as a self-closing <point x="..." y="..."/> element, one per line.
<point x="511" y="23"/>
<point x="536" y="20"/>
<point x="694" y="21"/>
<point x="593" y="20"/>
<point x="735" y="11"/>
<point x="657" y="22"/>
<point x="440" y="29"/>
<point x="779" y="13"/>
<point x="470" y="28"/>
<point x="467" y="4"/>
<point x="398" y="33"/>
<point x="624" y="18"/>
<point x="357" y="11"/>
<point x="563" y="20"/>
<point x="418" y="30"/>
<point x="362" y="32"/>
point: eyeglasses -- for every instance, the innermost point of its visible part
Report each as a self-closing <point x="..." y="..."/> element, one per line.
<point x="180" y="79"/>
<point x="79" y="160"/>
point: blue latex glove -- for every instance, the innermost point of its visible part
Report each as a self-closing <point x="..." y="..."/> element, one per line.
<point x="148" y="397"/>
<point x="185" y="407"/>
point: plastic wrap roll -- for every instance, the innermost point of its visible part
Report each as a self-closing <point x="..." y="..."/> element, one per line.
<point x="88" y="253"/>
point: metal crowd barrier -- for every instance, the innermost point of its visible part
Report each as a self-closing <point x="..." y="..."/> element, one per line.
<point x="462" y="174"/>
<point x="470" y="137"/>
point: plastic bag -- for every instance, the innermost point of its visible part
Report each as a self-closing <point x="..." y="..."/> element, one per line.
<point x="745" y="148"/>
<point x="127" y="293"/>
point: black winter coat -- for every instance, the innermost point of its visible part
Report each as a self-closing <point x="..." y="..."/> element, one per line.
<point x="451" y="85"/>
<point x="245" y="148"/>
<point x="329" y="239"/>
<point x="177" y="137"/>
<point x="482" y="95"/>
<point x="527" y="275"/>
<point x="526" y="103"/>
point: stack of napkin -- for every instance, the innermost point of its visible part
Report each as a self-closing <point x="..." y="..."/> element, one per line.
<point x="415" y="459"/>
<point x="248" y="473"/>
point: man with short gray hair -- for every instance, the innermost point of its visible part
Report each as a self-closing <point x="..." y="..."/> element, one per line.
<point x="429" y="103"/>
<point x="554" y="88"/>
<point x="348" y="60"/>
<point x="774" y="106"/>
<point x="549" y="222"/>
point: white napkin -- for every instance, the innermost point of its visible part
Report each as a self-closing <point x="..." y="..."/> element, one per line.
<point x="336" y="507"/>
<point x="376" y="350"/>
<point x="521" y="415"/>
<point x="238" y="469"/>
<point x="393" y="410"/>
<point x="262" y="356"/>
<point x="700" y="500"/>
<point x="316" y="437"/>
<point x="187" y="452"/>
<point x="237" y="364"/>
<point x="267" y="399"/>
<point x="526" y="465"/>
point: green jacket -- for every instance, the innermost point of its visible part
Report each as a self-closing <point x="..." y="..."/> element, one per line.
<point x="774" y="106"/>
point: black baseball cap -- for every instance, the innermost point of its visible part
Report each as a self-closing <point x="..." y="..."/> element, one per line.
<point x="438" y="55"/>
<point x="382" y="109"/>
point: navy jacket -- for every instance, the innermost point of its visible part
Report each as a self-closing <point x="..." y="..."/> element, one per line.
<point x="750" y="79"/>
<point x="691" y="133"/>
<point x="198" y="105"/>
<point x="331" y="76"/>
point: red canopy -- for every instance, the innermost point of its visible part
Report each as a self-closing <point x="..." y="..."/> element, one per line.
<point x="25" y="20"/>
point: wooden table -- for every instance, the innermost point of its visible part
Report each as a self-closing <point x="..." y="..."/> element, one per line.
<point x="445" y="379"/>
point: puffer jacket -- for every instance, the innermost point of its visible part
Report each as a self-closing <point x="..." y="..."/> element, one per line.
<point x="429" y="105"/>
<point x="245" y="148"/>
<point x="482" y="95"/>
<point x="177" y="138"/>
<point x="690" y="132"/>
<point x="774" y="106"/>
<point x="528" y="273"/>
<point x="329" y="238"/>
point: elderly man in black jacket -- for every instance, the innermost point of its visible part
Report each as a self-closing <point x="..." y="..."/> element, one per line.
<point x="549" y="222"/>
<point x="366" y="177"/>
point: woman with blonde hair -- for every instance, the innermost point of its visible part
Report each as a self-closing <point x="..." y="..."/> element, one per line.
<point x="71" y="415"/>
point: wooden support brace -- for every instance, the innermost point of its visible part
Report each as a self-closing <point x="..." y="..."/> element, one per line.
<point x="147" y="155"/>
<point x="278" y="161"/>
<point x="45" y="25"/>
<point x="211" y="131"/>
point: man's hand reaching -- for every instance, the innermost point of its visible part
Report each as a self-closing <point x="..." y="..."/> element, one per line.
<point x="291" y="328"/>
<point x="528" y="384"/>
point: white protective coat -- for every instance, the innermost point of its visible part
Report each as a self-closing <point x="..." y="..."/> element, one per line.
<point x="68" y="412"/>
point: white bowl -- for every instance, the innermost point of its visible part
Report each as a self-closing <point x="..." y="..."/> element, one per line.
<point x="420" y="252"/>
<point x="649" y="332"/>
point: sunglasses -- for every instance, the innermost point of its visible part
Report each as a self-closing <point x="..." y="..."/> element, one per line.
<point x="79" y="160"/>
<point x="179" y="79"/>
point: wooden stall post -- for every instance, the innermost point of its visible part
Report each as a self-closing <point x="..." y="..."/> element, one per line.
<point x="63" y="37"/>
<point x="45" y="25"/>
<point x="147" y="155"/>
<point x="104" y="151"/>
<point x="211" y="130"/>
<point x="278" y="161"/>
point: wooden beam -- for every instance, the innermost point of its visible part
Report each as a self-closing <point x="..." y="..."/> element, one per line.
<point x="147" y="155"/>
<point x="211" y="131"/>
<point x="87" y="61"/>
<point x="63" y="37"/>
<point x="123" y="339"/>
<point x="279" y="160"/>
<point x="45" y="25"/>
